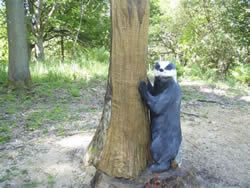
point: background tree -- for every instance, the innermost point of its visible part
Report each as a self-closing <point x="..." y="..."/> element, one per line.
<point x="39" y="12"/>
<point x="120" y="146"/>
<point x="18" y="71"/>
<point x="3" y="34"/>
<point x="54" y="25"/>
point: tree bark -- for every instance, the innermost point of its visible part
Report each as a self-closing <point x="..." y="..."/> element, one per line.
<point x="18" y="71"/>
<point x="120" y="147"/>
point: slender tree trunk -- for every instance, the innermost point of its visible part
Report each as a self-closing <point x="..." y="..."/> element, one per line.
<point x="62" y="48"/>
<point x="78" y="31"/>
<point x="18" y="73"/>
<point x="38" y="30"/>
<point x="39" y="49"/>
<point x="120" y="147"/>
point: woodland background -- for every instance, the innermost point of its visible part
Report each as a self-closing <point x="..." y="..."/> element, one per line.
<point x="208" y="39"/>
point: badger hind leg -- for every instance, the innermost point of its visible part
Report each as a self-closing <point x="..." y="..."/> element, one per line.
<point x="176" y="163"/>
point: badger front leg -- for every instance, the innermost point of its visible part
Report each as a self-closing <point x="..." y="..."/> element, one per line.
<point x="150" y="87"/>
<point x="156" y="104"/>
<point x="143" y="89"/>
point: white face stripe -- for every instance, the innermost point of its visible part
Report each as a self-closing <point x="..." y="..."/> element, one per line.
<point x="165" y="73"/>
<point x="163" y="64"/>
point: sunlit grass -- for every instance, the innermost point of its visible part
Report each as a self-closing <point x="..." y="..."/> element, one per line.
<point x="3" y="72"/>
<point x="51" y="71"/>
<point x="69" y="71"/>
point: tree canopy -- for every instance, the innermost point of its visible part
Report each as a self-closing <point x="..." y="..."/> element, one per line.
<point x="210" y="35"/>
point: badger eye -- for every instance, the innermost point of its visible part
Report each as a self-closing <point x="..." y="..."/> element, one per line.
<point x="157" y="66"/>
<point x="169" y="67"/>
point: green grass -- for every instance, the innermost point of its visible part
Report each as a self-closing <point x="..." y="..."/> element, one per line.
<point x="4" y="138"/>
<point x="56" y="74"/>
<point x="51" y="179"/>
<point x="56" y="86"/>
<point x="32" y="184"/>
<point x="62" y="74"/>
<point x="3" y="73"/>
<point x="4" y="133"/>
<point x="60" y="131"/>
<point x="75" y="92"/>
<point x="6" y="175"/>
<point x="5" y="129"/>
<point x="42" y="116"/>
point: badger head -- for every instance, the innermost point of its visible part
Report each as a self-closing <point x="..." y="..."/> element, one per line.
<point x="165" y="69"/>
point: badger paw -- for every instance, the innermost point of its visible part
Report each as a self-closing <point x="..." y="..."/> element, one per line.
<point x="156" y="168"/>
<point x="143" y="90"/>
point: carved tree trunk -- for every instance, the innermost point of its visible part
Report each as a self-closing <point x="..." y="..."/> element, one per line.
<point x="120" y="147"/>
<point x="18" y="71"/>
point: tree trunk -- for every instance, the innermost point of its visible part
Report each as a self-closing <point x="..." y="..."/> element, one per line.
<point x="38" y="30"/>
<point x="39" y="49"/>
<point x="18" y="72"/>
<point x="120" y="147"/>
<point x="29" y="50"/>
<point x="62" y="48"/>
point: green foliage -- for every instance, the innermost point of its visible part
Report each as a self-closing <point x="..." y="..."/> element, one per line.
<point x="235" y="19"/>
<point x="81" y="24"/>
<point x="97" y="54"/>
<point x="3" y="35"/>
<point x="180" y="70"/>
<point x="207" y="38"/>
<point x="241" y="73"/>
<point x="60" y="26"/>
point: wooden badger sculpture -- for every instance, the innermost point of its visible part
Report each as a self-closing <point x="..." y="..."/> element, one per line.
<point x="164" y="101"/>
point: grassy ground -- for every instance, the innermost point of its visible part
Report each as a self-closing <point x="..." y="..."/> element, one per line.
<point x="56" y="87"/>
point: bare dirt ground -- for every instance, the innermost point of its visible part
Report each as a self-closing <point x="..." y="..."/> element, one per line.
<point x="216" y="138"/>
